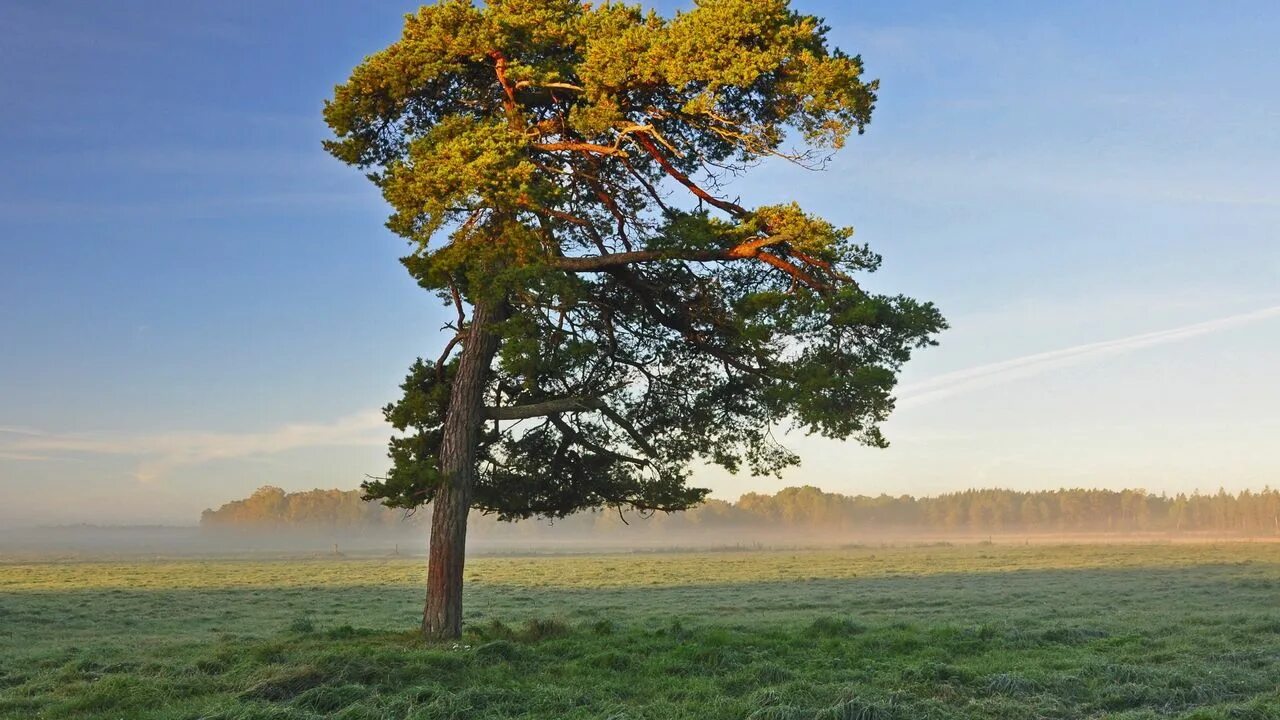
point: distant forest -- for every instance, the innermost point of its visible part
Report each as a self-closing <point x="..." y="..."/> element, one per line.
<point x="798" y="510"/>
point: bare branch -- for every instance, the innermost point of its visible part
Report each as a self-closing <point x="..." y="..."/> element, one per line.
<point x="573" y="436"/>
<point x="630" y="429"/>
<point x="652" y="148"/>
<point x="444" y="356"/>
<point x="457" y="303"/>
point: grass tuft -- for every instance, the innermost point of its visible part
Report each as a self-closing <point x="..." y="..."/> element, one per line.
<point x="836" y="627"/>
<point x="330" y="699"/>
<point x="497" y="650"/>
<point x="1072" y="635"/>
<point x="855" y="709"/>
<point x="286" y="684"/>
<point x="1011" y="684"/>
<point x="536" y="629"/>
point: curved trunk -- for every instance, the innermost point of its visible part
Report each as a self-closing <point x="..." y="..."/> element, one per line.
<point x="442" y="616"/>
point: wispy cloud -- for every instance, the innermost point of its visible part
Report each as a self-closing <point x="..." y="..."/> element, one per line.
<point x="190" y="208"/>
<point x="948" y="384"/>
<point x="18" y="430"/>
<point x="23" y="457"/>
<point x="158" y="454"/>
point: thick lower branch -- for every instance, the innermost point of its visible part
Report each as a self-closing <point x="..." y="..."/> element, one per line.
<point x="553" y="408"/>
<point x="754" y="249"/>
<point x="546" y="407"/>
<point x="610" y="261"/>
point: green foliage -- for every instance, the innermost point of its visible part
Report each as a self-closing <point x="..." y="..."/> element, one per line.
<point x="461" y="161"/>
<point x="1003" y="631"/>
<point x="552" y="158"/>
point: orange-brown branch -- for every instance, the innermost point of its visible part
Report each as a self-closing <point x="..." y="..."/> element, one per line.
<point x="752" y="248"/>
<point x="500" y="69"/>
<point x="651" y="147"/>
<point x="793" y="270"/>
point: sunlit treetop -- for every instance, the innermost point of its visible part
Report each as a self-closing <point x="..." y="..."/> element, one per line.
<point x="562" y="168"/>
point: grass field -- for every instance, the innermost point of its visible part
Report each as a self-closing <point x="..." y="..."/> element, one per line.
<point x="977" y="631"/>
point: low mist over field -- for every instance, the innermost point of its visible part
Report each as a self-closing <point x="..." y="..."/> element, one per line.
<point x="337" y="521"/>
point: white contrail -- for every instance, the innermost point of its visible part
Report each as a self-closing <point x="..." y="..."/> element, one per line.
<point x="948" y="384"/>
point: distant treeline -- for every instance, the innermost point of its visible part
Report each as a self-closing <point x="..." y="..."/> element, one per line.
<point x="801" y="510"/>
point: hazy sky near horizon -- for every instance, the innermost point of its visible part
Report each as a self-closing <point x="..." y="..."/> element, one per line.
<point x="197" y="300"/>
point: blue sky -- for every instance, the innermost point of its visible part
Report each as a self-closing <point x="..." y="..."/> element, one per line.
<point x="196" y="300"/>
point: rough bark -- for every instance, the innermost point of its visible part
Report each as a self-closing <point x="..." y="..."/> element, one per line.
<point x="442" y="616"/>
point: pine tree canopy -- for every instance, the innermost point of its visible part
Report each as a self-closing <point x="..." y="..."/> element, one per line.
<point x="563" y="166"/>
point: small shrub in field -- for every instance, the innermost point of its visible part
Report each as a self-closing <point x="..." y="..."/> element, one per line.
<point x="302" y="625"/>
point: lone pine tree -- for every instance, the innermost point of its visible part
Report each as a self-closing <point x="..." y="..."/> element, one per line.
<point x="558" y="169"/>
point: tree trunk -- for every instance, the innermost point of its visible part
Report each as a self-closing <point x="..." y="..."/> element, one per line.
<point x="442" y="616"/>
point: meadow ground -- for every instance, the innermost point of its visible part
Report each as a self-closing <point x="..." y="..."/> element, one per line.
<point x="977" y="631"/>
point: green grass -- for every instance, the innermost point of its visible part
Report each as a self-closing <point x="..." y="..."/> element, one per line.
<point x="1123" y="631"/>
